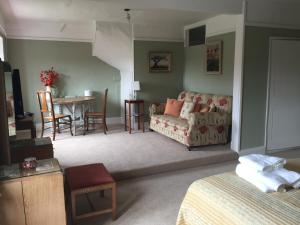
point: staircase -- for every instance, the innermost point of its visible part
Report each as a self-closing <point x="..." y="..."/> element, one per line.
<point x="113" y="44"/>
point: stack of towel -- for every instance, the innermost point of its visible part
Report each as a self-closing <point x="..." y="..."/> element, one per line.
<point x="267" y="173"/>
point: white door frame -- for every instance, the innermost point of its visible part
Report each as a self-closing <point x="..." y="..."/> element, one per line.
<point x="237" y="100"/>
<point x="268" y="92"/>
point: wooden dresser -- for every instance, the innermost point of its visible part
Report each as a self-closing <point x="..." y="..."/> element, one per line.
<point x="32" y="197"/>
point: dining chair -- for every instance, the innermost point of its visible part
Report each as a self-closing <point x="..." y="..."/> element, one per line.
<point x="97" y="115"/>
<point x="48" y="115"/>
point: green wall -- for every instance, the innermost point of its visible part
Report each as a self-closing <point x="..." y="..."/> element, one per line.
<point x="73" y="60"/>
<point x="195" y="77"/>
<point x="157" y="87"/>
<point x="255" y="82"/>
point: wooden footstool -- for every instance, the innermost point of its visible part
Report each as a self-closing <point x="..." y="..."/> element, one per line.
<point x="90" y="178"/>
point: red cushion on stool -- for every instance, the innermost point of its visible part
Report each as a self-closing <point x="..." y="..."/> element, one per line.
<point x="87" y="176"/>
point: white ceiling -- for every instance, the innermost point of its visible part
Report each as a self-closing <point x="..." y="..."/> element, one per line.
<point x="176" y="12"/>
<point x="179" y="12"/>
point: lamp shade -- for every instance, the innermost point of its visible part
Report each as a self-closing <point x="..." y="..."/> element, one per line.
<point x="88" y="93"/>
<point x="136" y="86"/>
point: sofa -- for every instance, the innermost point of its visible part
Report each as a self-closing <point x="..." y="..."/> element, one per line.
<point x="200" y="128"/>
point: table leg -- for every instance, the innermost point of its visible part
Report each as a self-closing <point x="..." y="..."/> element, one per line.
<point x="82" y="111"/>
<point x="125" y="115"/>
<point x="129" y="115"/>
<point x="74" y="117"/>
<point x="60" y="111"/>
<point x="142" y="117"/>
<point x="138" y="117"/>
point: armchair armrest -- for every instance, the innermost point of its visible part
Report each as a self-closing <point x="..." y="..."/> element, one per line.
<point x="157" y="108"/>
<point x="209" y="118"/>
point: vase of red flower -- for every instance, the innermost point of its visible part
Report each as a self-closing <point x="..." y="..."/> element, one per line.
<point x="48" y="78"/>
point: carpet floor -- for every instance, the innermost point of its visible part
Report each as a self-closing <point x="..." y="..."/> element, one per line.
<point x="132" y="155"/>
<point x="156" y="199"/>
<point x="151" y="200"/>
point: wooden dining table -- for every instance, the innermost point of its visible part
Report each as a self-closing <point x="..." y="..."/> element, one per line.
<point x="83" y="103"/>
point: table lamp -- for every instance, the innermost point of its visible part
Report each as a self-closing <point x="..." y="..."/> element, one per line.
<point x="136" y="87"/>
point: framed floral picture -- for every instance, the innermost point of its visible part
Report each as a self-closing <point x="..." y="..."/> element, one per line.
<point x="213" y="57"/>
<point x="159" y="62"/>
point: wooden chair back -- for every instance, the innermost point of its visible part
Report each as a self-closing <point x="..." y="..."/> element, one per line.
<point x="45" y="103"/>
<point x="104" y="102"/>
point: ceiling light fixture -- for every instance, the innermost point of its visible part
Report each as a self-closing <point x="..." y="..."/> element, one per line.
<point x="128" y="16"/>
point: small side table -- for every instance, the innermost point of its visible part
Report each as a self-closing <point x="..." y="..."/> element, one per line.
<point x="139" y="115"/>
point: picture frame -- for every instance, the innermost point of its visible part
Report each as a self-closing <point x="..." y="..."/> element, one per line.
<point x="160" y="62"/>
<point x="213" y="57"/>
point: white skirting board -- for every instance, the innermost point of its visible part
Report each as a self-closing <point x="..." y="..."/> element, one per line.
<point x="255" y="150"/>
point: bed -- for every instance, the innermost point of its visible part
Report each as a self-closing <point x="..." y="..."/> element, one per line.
<point x="228" y="199"/>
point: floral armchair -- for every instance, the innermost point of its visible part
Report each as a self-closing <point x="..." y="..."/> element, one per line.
<point x="200" y="128"/>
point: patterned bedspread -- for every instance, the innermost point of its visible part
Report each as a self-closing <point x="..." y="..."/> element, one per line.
<point x="228" y="199"/>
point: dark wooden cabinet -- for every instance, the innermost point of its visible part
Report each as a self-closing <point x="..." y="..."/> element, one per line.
<point x="26" y="123"/>
<point x="41" y="148"/>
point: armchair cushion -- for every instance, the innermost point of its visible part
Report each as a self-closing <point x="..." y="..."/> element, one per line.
<point x="186" y="109"/>
<point x="209" y="119"/>
<point x="157" y="108"/>
<point x="173" y="107"/>
<point x="170" y="121"/>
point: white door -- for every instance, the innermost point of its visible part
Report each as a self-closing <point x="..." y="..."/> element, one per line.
<point x="283" y="130"/>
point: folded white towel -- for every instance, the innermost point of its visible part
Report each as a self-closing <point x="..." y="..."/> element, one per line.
<point x="292" y="178"/>
<point x="262" y="180"/>
<point x="262" y="162"/>
<point x="243" y="173"/>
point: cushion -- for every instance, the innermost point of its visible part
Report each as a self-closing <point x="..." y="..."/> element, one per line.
<point x="173" y="107"/>
<point x="186" y="109"/>
<point x="170" y="121"/>
<point x="87" y="176"/>
<point x="212" y="108"/>
<point x="204" y="108"/>
<point x="197" y="107"/>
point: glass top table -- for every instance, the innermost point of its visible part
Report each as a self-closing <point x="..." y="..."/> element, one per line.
<point x="15" y="171"/>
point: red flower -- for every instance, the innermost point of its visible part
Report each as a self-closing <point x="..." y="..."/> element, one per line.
<point x="198" y="99"/>
<point x="185" y="132"/>
<point x="220" y="129"/>
<point x="166" y="124"/>
<point x="203" y="129"/>
<point x="48" y="77"/>
<point x="223" y="102"/>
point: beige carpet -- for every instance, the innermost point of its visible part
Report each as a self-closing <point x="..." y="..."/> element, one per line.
<point x="151" y="200"/>
<point x="155" y="200"/>
<point x="132" y="155"/>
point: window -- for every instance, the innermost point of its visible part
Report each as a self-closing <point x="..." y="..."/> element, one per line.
<point x="2" y="48"/>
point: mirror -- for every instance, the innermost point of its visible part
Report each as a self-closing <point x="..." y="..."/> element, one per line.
<point x="10" y="104"/>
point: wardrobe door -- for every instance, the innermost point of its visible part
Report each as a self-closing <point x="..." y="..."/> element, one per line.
<point x="283" y="129"/>
<point x="44" y="199"/>
<point x="11" y="203"/>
